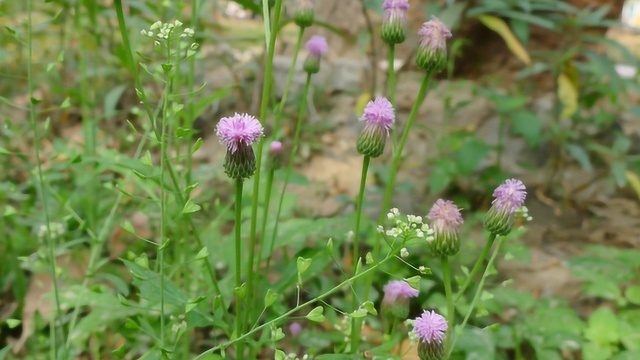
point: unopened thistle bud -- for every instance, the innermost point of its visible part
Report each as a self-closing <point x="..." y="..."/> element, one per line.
<point x="238" y="133"/>
<point x="379" y="117"/>
<point x="430" y="329"/>
<point x="509" y="197"/>
<point x="316" y="46"/>
<point x="395" y="21"/>
<point x="303" y="13"/>
<point x="275" y="155"/>
<point x="445" y="221"/>
<point x="432" y="51"/>
<point x="395" y="303"/>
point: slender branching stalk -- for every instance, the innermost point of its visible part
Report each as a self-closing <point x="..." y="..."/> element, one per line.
<point x="477" y="294"/>
<point x="55" y="325"/>
<point x="238" y="252"/>
<point x="451" y="311"/>
<point x="476" y="267"/>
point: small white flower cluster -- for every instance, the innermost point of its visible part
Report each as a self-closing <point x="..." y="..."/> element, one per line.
<point x="57" y="229"/>
<point x="294" y="356"/>
<point x="413" y="337"/>
<point x="162" y="31"/>
<point x="412" y="226"/>
<point x="523" y="213"/>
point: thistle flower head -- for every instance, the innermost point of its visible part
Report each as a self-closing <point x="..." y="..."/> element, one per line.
<point x="394" y="21"/>
<point x="316" y="46"/>
<point x="430" y="328"/>
<point x="398" y="289"/>
<point x="445" y="221"/>
<point x="237" y="133"/>
<point x="432" y="51"/>
<point x="395" y="303"/>
<point x="295" y="328"/>
<point x="509" y="197"/>
<point x="303" y="13"/>
<point x="379" y="117"/>
<point x="275" y="155"/>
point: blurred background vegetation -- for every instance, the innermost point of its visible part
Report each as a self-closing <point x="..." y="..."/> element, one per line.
<point x="544" y="90"/>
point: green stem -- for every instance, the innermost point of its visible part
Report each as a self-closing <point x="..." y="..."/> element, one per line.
<point x="395" y="165"/>
<point x="356" y="323"/>
<point x="283" y="101"/>
<point x="145" y="103"/>
<point x="476" y="267"/>
<point x="296" y="309"/>
<point x="238" y="252"/>
<point x="451" y="312"/>
<point x="265" y="215"/>
<point x="391" y="79"/>
<point x="53" y="328"/>
<point x="270" y="38"/>
<point x="294" y="151"/>
<point x="478" y="292"/>
<point x="163" y="196"/>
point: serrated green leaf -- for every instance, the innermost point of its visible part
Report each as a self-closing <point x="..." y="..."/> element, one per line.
<point x="316" y="315"/>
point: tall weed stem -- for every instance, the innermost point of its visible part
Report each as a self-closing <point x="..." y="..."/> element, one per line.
<point x="270" y="38"/>
<point x="476" y="295"/>
<point x="53" y="328"/>
<point x="294" y="151"/>
<point x="145" y="103"/>
<point x="451" y="310"/>
<point x="355" y="328"/>
<point x="238" y="251"/>
<point x="476" y="267"/>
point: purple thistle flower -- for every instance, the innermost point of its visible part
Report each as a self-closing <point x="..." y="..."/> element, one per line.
<point x="394" y="21"/>
<point x="316" y="46"/>
<point x="275" y="154"/>
<point x="430" y="329"/>
<point x="379" y="117"/>
<point x="395" y="303"/>
<point x="509" y="197"/>
<point x="303" y="13"/>
<point x="238" y="133"/>
<point x="295" y="328"/>
<point x="432" y="51"/>
<point x="445" y="221"/>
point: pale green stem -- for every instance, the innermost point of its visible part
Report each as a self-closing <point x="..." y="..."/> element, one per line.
<point x="356" y="323"/>
<point x="476" y="267"/>
<point x="53" y="328"/>
<point x="294" y="151"/>
<point x="391" y="79"/>
<point x="238" y="252"/>
<point x="451" y="310"/>
<point x="265" y="215"/>
<point x="270" y="38"/>
<point x="477" y="294"/>
<point x="283" y="101"/>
